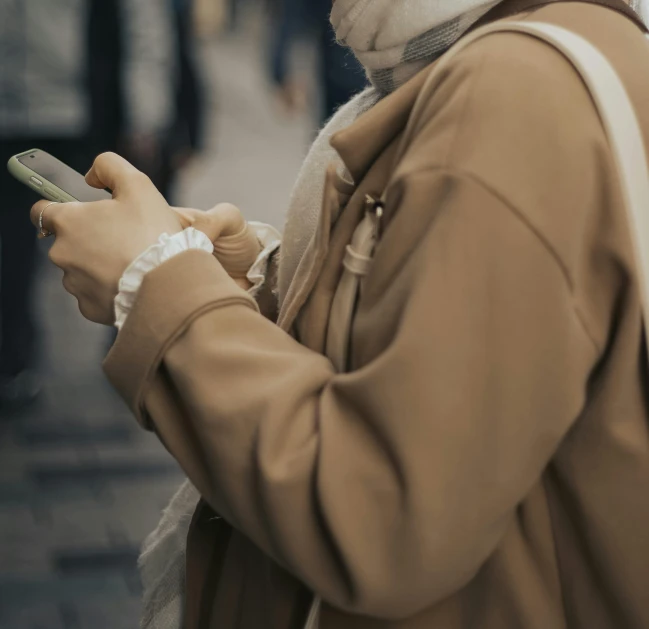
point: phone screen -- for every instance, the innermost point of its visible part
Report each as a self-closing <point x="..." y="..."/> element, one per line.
<point x="62" y="176"/>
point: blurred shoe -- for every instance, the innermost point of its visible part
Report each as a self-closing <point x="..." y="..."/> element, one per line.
<point x="19" y="391"/>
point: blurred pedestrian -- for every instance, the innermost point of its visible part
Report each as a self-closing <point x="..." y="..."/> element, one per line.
<point x="339" y="75"/>
<point x="133" y="69"/>
<point x="172" y="91"/>
<point x="187" y="132"/>
<point x="56" y="95"/>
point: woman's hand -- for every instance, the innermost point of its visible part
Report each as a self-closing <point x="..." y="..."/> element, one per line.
<point x="223" y="220"/>
<point x="235" y="245"/>
<point x="95" y="242"/>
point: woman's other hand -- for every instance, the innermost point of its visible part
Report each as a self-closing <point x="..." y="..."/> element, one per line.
<point x="235" y="245"/>
<point x="96" y="242"/>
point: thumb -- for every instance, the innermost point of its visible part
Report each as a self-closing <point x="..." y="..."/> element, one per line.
<point x="111" y="171"/>
<point x="222" y="221"/>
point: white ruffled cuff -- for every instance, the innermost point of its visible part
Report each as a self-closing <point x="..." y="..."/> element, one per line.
<point x="270" y="240"/>
<point x="167" y="247"/>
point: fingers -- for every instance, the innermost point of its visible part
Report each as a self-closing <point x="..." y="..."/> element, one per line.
<point x="109" y="170"/>
<point x="221" y="221"/>
<point x="48" y="211"/>
<point x="235" y="244"/>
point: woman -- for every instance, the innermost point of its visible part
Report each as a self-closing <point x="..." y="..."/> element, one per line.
<point x="475" y="453"/>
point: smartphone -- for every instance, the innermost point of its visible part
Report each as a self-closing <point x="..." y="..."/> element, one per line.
<point x="53" y="179"/>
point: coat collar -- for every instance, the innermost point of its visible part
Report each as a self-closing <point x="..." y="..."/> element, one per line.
<point x="358" y="148"/>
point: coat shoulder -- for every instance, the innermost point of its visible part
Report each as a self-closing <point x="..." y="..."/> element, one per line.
<point x="513" y="114"/>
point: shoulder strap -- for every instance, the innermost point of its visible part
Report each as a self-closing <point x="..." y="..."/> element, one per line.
<point x="623" y="132"/>
<point x="627" y="147"/>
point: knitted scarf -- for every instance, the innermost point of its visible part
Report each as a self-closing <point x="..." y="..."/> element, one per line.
<point x="394" y="39"/>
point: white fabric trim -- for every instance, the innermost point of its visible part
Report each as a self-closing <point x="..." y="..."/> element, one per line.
<point x="166" y="248"/>
<point x="270" y="239"/>
<point x="169" y="246"/>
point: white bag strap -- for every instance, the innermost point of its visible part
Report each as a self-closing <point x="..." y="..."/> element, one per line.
<point x="627" y="147"/>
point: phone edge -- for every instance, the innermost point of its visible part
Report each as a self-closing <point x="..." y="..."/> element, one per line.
<point x="23" y="174"/>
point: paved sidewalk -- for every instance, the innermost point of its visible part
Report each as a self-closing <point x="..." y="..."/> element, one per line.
<point x="81" y="485"/>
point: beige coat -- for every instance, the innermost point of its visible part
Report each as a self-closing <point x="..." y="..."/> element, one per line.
<point x="485" y="462"/>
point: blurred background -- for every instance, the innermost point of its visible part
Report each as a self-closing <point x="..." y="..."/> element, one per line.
<point x="217" y="100"/>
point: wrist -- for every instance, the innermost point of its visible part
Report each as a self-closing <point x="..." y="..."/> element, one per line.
<point x="166" y="248"/>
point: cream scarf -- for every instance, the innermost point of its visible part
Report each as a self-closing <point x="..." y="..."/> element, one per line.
<point x="394" y="39"/>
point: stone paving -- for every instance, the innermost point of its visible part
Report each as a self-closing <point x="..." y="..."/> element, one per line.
<point x="80" y="484"/>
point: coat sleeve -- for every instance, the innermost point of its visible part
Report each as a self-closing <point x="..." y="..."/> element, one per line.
<point x="387" y="488"/>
